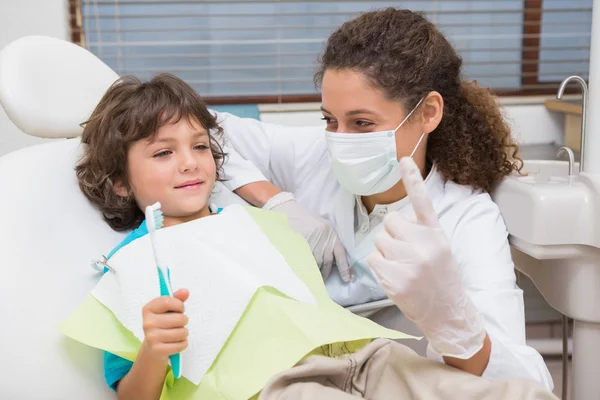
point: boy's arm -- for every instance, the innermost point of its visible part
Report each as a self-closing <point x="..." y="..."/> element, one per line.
<point x="145" y="380"/>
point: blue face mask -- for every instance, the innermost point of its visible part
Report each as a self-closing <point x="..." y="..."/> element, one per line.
<point x="367" y="163"/>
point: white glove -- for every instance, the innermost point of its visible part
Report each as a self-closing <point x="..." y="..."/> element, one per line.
<point x="324" y="242"/>
<point x="415" y="266"/>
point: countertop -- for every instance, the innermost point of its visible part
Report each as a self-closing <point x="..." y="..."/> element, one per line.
<point x="565" y="106"/>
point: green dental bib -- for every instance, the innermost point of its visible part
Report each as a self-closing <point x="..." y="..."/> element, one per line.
<point x="274" y="333"/>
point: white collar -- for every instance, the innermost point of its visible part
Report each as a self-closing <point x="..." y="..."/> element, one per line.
<point x="435" y="188"/>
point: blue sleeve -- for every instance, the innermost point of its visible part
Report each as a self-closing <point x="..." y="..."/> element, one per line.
<point x="115" y="367"/>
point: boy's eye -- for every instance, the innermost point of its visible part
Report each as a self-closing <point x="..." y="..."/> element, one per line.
<point x="201" y="147"/>
<point x="163" y="153"/>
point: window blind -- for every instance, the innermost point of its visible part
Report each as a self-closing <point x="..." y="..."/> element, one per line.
<point x="265" y="51"/>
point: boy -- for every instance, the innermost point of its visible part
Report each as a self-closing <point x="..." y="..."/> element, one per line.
<point x="147" y="143"/>
<point x="152" y="141"/>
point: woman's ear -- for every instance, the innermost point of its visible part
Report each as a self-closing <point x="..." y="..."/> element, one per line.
<point x="433" y="110"/>
<point x="120" y="188"/>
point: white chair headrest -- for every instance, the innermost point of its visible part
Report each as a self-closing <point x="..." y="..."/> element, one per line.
<point x="48" y="86"/>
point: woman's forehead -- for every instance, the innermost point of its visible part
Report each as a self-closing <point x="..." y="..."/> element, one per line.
<point x="348" y="92"/>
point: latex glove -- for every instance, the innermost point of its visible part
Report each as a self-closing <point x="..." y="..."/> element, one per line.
<point x="324" y="242"/>
<point x="416" y="268"/>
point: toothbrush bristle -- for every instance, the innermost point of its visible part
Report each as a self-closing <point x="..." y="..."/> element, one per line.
<point x="154" y="216"/>
<point x="158" y="218"/>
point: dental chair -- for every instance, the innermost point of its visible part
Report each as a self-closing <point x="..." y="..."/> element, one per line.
<point x="48" y="230"/>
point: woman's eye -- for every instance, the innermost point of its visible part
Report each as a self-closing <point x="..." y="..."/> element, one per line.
<point x="163" y="153"/>
<point x="328" y="120"/>
<point x="363" y="123"/>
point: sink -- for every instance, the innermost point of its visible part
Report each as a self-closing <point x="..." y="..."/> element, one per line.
<point x="546" y="207"/>
<point x="553" y="222"/>
<point x="541" y="170"/>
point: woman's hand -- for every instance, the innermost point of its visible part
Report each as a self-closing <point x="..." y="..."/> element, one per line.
<point x="324" y="242"/>
<point x="415" y="266"/>
<point x="164" y="324"/>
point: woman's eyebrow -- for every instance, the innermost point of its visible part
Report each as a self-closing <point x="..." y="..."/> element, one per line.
<point x="354" y="112"/>
<point x="360" y="111"/>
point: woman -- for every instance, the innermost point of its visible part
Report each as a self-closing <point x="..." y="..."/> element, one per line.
<point x="391" y="87"/>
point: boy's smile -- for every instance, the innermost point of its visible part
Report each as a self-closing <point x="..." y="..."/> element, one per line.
<point x="191" y="185"/>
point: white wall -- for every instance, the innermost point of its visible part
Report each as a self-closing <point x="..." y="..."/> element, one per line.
<point x="534" y="124"/>
<point x="20" y="18"/>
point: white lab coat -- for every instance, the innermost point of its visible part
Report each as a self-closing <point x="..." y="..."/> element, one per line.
<point x="296" y="160"/>
<point x="238" y="171"/>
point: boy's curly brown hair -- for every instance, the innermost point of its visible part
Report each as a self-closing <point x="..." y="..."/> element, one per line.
<point x="129" y="111"/>
<point x="404" y="54"/>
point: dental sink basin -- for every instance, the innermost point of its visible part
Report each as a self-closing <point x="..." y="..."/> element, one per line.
<point x="553" y="221"/>
<point x="548" y="207"/>
<point x="542" y="170"/>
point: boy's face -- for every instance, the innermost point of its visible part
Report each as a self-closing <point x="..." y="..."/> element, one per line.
<point x="176" y="168"/>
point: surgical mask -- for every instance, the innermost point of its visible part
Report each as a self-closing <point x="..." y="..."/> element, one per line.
<point x="367" y="163"/>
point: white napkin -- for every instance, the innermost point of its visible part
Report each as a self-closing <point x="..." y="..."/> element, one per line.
<point x="222" y="259"/>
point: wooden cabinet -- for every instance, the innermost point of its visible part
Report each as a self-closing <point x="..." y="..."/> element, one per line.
<point x="572" y="110"/>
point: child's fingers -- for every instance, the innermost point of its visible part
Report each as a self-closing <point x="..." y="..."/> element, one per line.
<point x="164" y="304"/>
<point x="168" y="349"/>
<point x="166" y="321"/>
<point x="168" y="335"/>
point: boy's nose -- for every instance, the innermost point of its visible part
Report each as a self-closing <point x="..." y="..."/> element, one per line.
<point x="187" y="163"/>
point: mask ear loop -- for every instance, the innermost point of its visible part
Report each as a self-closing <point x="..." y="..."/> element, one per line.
<point x="409" y="114"/>
<point x="404" y="120"/>
<point x="417" y="146"/>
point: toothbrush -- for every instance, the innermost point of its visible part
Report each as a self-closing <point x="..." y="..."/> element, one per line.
<point x="154" y="221"/>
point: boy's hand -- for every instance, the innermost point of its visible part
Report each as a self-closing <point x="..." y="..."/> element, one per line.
<point x="164" y="324"/>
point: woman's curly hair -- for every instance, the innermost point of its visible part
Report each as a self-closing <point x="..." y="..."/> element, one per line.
<point x="404" y="54"/>
<point x="129" y="111"/>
